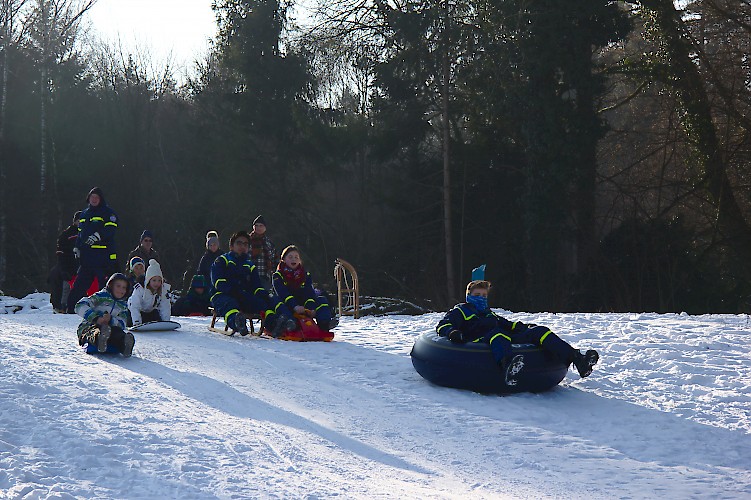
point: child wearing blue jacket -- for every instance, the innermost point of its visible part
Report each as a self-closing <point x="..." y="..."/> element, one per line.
<point x="473" y="321"/>
<point x="294" y="286"/>
<point x="105" y="316"/>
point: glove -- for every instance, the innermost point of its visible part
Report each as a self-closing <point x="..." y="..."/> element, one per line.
<point x="457" y="336"/>
<point x="93" y="239"/>
<point x="77" y="252"/>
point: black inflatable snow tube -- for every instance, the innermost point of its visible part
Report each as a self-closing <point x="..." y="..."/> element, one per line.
<point x="471" y="366"/>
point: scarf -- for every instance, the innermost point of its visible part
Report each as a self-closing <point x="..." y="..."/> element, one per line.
<point x="295" y="278"/>
<point x="480" y="302"/>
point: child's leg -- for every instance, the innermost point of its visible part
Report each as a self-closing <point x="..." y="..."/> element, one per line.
<point x="87" y="333"/>
<point x="500" y="345"/>
<point x="121" y="340"/>
<point x="323" y="313"/>
<point x="226" y="306"/>
<point x="549" y="341"/>
<point x="150" y="316"/>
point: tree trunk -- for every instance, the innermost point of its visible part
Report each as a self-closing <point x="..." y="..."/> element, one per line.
<point x="448" y="234"/>
<point x="7" y="19"/>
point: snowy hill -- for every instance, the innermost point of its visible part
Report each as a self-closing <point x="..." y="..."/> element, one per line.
<point x="194" y="414"/>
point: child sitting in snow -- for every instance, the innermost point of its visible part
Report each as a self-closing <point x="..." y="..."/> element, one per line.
<point x="196" y="301"/>
<point x="150" y="302"/>
<point x="473" y="321"/>
<point x="105" y="315"/>
<point x="294" y="286"/>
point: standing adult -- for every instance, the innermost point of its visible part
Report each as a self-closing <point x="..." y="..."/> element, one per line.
<point x="65" y="267"/>
<point x="144" y="250"/>
<point x="262" y="252"/>
<point x="95" y="246"/>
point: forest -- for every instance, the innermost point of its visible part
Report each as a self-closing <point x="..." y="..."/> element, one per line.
<point x="595" y="155"/>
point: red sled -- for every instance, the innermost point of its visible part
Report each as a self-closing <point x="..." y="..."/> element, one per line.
<point x="308" y="331"/>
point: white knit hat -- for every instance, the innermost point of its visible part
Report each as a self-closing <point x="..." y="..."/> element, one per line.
<point x="154" y="270"/>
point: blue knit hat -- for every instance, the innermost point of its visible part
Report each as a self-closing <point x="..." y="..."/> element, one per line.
<point x="146" y="234"/>
<point x="135" y="261"/>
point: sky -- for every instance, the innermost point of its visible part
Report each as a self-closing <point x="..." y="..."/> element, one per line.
<point x="175" y="30"/>
<point x="194" y="414"/>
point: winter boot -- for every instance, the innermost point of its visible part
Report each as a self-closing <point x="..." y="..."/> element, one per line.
<point x="278" y="329"/>
<point x="103" y="338"/>
<point x="585" y="362"/>
<point x="333" y="323"/>
<point x="240" y="324"/>
<point x="128" y="342"/>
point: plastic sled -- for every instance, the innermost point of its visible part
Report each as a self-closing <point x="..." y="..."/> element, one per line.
<point x="156" y="326"/>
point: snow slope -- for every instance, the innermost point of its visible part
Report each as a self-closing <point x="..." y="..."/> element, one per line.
<point x="195" y="414"/>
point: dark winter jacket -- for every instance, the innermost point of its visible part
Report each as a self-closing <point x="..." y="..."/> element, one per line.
<point x="204" y="267"/>
<point x="101" y="220"/>
<point x="193" y="302"/>
<point x="235" y="275"/>
<point x="66" y="260"/>
<point x="475" y="324"/>
<point x="292" y="294"/>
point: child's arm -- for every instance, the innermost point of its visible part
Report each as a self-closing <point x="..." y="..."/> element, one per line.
<point x="219" y="275"/>
<point x="86" y="307"/>
<point x="134" y="304"/>
<point x="453" y="321"/>
<point x="283" y="291"/>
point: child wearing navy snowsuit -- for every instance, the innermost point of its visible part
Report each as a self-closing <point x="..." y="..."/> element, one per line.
<point x="473" y="321"/>
<point x="294" y="286"/>
<point x="105" y="315"/>
<point x="95" y="246"/>
<point x="239" y="291"/>
<point x="196" y="301"/>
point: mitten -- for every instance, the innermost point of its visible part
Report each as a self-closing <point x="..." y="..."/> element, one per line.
<point x="457" y="336"/>
<point x="93" y="239"/>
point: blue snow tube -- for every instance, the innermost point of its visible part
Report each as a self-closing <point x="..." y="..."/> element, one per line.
<point x="471" y="366"/>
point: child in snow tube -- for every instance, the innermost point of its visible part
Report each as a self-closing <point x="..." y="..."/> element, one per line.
<point x="473" y="321"/>
<point x="105" y="315"/>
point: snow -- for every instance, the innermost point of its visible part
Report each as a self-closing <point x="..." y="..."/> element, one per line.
<point x="195" y="414"/>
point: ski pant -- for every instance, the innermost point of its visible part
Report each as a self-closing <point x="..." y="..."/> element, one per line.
<point x="88" y="333"/>
<point x="228" y="305"/>
<point x="323" y="312"/>
<point x="83" y="281"/>
<point x="500" y="343"/>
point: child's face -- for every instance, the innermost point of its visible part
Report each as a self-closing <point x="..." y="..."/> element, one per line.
<point x="213" y="246"/>
<point x="139" y="271"/>
<point x="259" y="228"/>
<point x="479" y="292"/>
<point x="292" y="260"/>
<point x="119" y="288"/>
<point x="155" y="282"/>
<point x="199" y="290"/>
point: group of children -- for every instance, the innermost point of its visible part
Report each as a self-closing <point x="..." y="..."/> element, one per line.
<point x="230" y="282"/>
<point x="241" y="284"/>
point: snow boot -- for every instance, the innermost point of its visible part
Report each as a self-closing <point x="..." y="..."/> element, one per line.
<point x="585" y="362"/>
<point x="128" y="342"/>
<point x="103" y="338"/>
<point x="240" y="324"/>
<point x="333" y="323"/>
